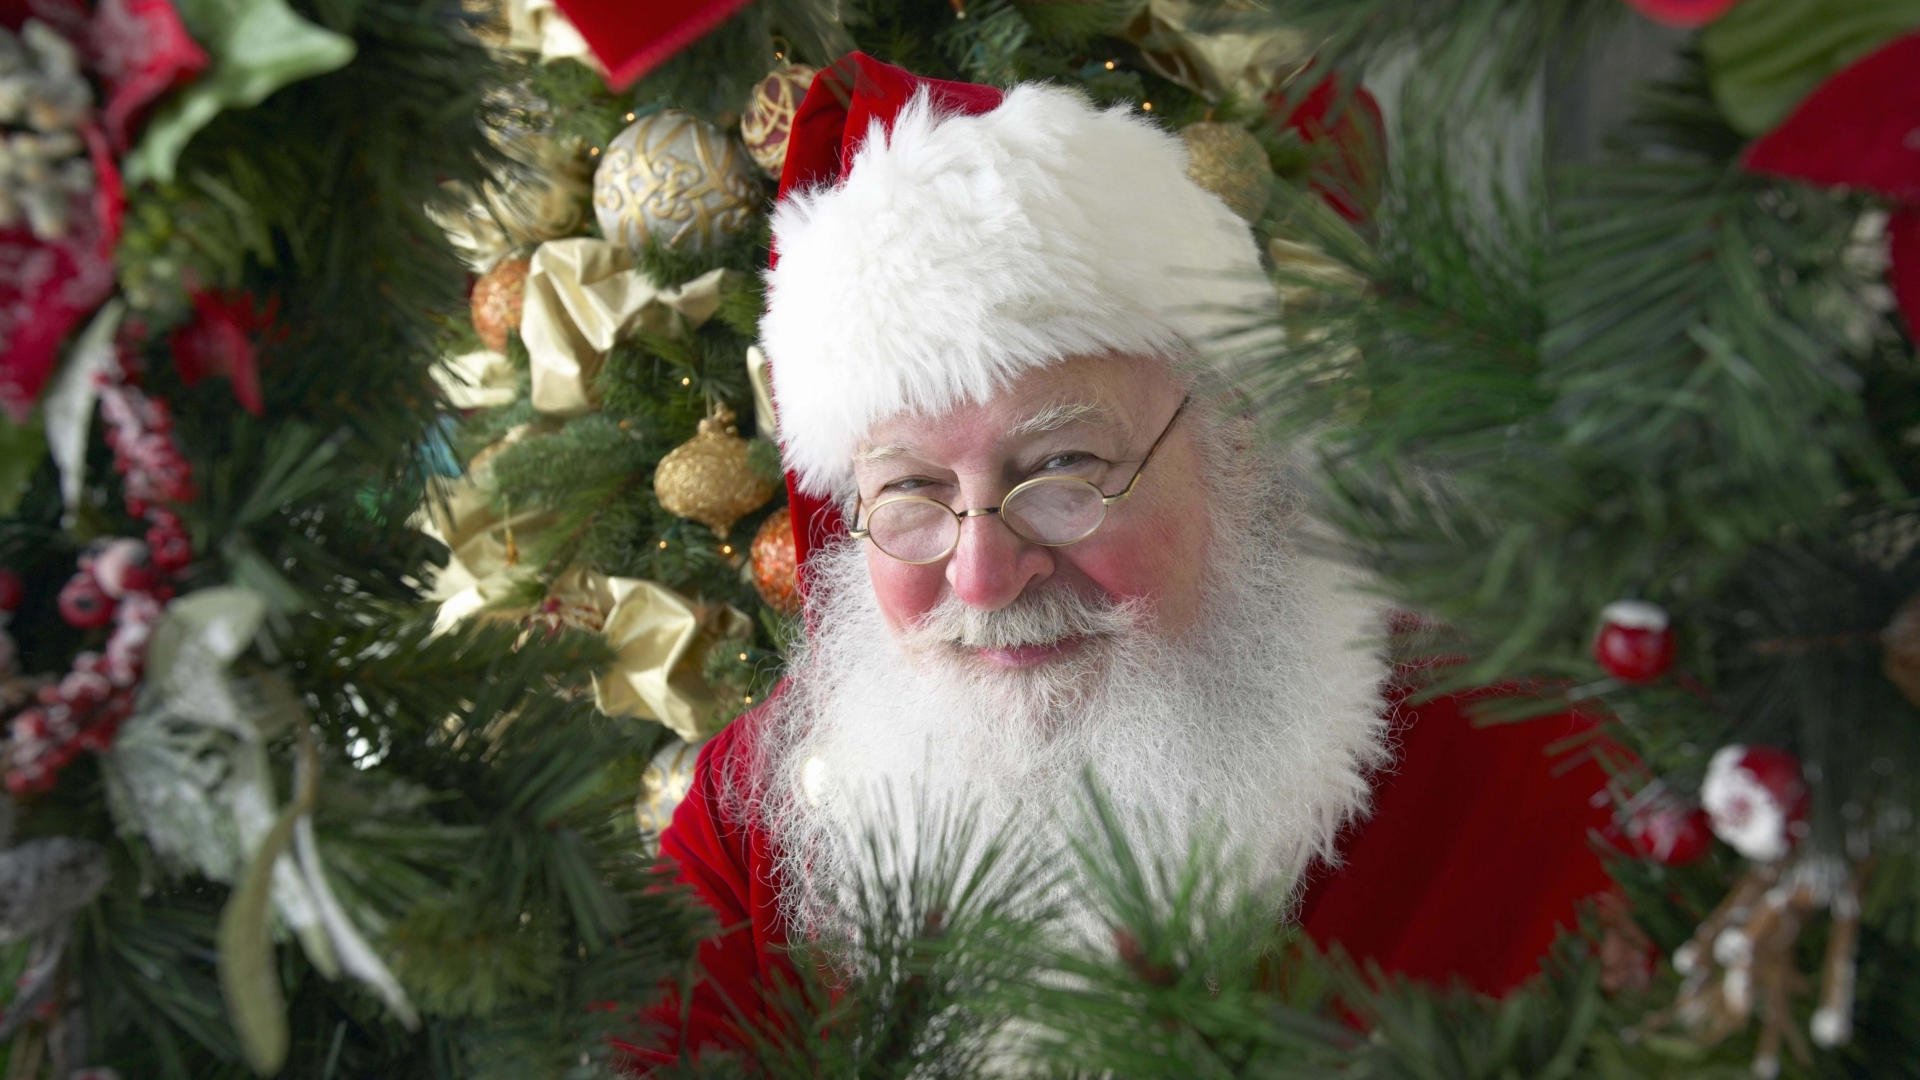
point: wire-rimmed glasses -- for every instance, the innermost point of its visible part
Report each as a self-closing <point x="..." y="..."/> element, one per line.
<point x="1052" y="511"/>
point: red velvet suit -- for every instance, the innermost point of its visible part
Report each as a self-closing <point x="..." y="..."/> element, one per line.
<point x="1472" y="860"/>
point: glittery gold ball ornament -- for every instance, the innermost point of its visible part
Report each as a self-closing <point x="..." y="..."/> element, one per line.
<point x="769" y="115"/>
<point x="1227" y="160"/>
<point x="675" y="179"/>
<point x="497" y="299"/>
<point x="709" y="479"/>
<point x="775" y="564"/>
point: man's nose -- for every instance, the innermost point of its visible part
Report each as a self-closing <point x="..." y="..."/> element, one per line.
<point x="991" y="566"/>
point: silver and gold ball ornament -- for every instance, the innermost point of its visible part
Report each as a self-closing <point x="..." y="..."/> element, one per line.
<point x="768" y="118"/>
<point x="674" y="179"/>
<point x="1227" y="160"/>
<point x="709" y="478"/>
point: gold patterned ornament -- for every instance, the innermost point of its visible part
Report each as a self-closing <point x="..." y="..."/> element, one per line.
<point x="768" y="118"/>
<point x="709" y="479"/>
<point x="497" y="300"/>
<point x="674" y="179"/>
<point x="1227" y="160"/>
<point x="663" y="787"/>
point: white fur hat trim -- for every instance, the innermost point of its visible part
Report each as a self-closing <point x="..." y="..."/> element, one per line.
<point x="964" y="250"/>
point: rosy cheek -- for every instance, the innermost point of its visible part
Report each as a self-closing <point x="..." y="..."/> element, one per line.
<point x="905" y="592"/>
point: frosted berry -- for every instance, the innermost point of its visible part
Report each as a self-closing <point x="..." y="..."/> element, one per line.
<point x="1669" y="831"/>
<point x="84" y="604"/>
<point x="1757" y="800"/>
<point x="1635" y="642"/>
<point x="123" y="567"/>
<point x="12" y="591"/>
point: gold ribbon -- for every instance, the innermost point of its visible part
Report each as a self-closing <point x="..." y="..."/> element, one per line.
<point x="760" y="377"/>
<point x="1215" y="49"/>
<point x="477" y="380"/>
<point x="582" y="296"/>
<point x="660" y="639"/>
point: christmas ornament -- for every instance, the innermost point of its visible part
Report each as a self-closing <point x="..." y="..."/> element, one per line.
<point x="708" y="478"/>
<point x="497" y="300"/>
<point x="1856" y="131"/>
<point x="1757" y="800"/>
<point x="769" y="115"/>
<point x="1682" y="13"/>
<point x="1634" y="643"/>
<point x="673" y="179"/>
<point x="1668" y="831"/>
<point x="1900" y="644"/>
<point x="774" y="567"/>
<point x="1740" y="961"/>
<point x="664" y="786"/>
<point x="1345" y="127"/>
<point x="1227" y="160"/>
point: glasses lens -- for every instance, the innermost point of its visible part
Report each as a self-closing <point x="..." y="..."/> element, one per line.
<point x="913" y="530"/>
<point x="1055" y="510"/>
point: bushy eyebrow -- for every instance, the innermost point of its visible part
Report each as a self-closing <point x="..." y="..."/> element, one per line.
<point x="1065" y="414"/>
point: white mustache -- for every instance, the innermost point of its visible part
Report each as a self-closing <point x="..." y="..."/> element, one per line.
<point x="1040" y="618"/>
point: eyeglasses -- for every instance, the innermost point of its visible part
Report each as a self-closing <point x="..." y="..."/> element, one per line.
<point x="1052" y="511"/>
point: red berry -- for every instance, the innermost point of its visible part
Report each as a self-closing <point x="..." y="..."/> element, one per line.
<point x="87" y="661"/>
<point x="84" y="604"/>
<point x="30" y="725"/>
<point x="1757" y="800"/>
<point x="122" y="567"/>
<point x="1669" y="831"/>
<point x="1635" y="643"/>
<point x="85" y="689"/>
<point x="12" y="590"/>
<point x="168" y="548"/>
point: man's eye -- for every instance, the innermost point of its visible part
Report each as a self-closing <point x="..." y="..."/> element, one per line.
<point x="1070" y="460"/>
<point x="906" y="484"/>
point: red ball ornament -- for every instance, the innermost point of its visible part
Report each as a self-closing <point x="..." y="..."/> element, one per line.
<point x="498" y="298"/>
<point x="1669" y="831"/>
<point x="1634" y="644"/>
<point x="774" y="565"/>
<point x="1682" y="13"/>
<point x="122" y="567"/>
<point x="84" y="604"/>
<point x="12" y="591"/>
<point x="1757" y="800"/>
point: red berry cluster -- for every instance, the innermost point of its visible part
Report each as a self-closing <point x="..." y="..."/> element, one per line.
<point x="122" y="583"/>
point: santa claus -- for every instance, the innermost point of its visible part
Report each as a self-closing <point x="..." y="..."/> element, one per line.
<point x="1043" y="539"/>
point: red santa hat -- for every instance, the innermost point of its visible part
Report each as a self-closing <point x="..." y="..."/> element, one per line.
<point x="934" y="240"/>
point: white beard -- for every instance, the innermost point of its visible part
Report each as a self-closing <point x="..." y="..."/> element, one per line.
<point x="1255" y="729"/>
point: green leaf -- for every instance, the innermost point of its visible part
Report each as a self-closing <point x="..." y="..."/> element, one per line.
<point x="220" y="621"/>
<point x="1764" y="56"/>
<point x="22" y="448"/>
<point x="258" y="46"/>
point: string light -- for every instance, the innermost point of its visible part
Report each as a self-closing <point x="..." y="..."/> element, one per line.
<point x="1146" y="106"/>
<point x="743" y="656"/>
<point x="663" y="545"/>
<point x="1110" y="65"/>
<point x="629" y="117"/>
<point x="593" y="151"/>
<point x="726" y="549"/>
<point x="748" y="699"/>
<point x="686" y="380"/>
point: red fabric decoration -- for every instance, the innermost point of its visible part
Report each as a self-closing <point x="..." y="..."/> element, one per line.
<point x="1858" y="130"/>
<point x="1683" y="13"/>
<point x="632" y="39"/>
<point x="1475" y="857"/>
<point x="141" y="49"/>
<point x="219" y="340"/>
<point x="1347" y="123"/>
<point x="845" y="100"/>
<point x="48" y="287"/>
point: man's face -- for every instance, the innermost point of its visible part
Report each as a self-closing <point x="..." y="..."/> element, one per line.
<point x="1093" y="417"/>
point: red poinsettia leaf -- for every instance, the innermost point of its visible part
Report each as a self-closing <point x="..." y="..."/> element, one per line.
<point x="141" y="49"/>
<point x="1683" y="13"/>
<point x="47" y="287"/>
<point x="219" y="341"/>
<point x="1860" y="128"/>
<point x="1903" y="246"/>
<point x="1346" y="121"/>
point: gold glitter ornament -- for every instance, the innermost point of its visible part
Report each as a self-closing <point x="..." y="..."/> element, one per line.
<point x="768" y="119"/>
<point x="708" y="478"/>
<point x="663" y="787"/>
<point x="497" y="301"/>
<point x="674" y="178"/>
<point x="1227" y="160"/>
